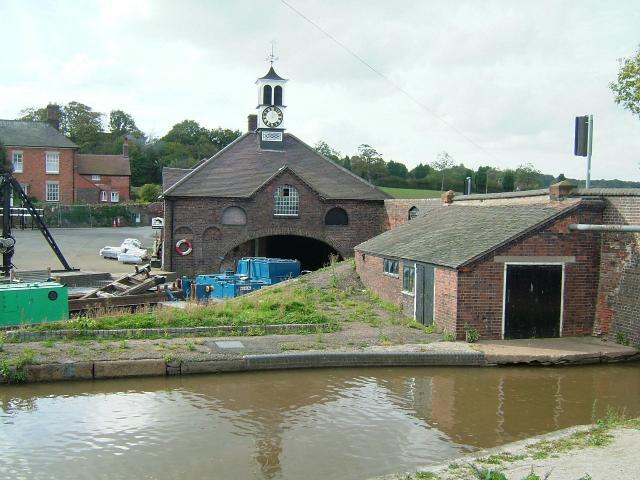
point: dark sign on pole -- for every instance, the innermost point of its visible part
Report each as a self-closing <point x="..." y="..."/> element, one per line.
<point x="581" y="142"/>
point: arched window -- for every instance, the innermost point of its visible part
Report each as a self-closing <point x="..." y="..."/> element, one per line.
<point x="266" y="95"/>
<point x="413" y="213"/>
<point x="285" y="201"/>
<point x="277" y="95"/>
<point x="234" y="216"/>
<point x="336" y="216"/>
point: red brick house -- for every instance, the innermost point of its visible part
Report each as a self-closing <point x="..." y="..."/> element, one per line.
<point x="266" y="194"/>
<point x="50" y="169"/>
<point x="507" y="271"/>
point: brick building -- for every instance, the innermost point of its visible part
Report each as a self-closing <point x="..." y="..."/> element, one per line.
<point x="473" y="259"/>
<point x="50" y="169"/>
<point x="266" y="194"/>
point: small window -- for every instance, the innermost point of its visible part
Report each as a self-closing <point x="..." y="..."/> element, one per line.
<point x="115" y="197"/>
<point x="408" y="278"/>
<point x="53" y="191"/>
<point x="391" y="267"/>
<point x="52" y="161"/>
<point x="18" y="162"/>
<point x="95" y="178"/>
<point x="25" y="188"/>
<point x="277" y="95"/>
<point x="336" y="216"/>
<point x="103" y="196"/>
<point x="286" y="201"/>
<point x="413" y="212"/>
<point x="266" y="95"/>
<point x="234" y="216"/>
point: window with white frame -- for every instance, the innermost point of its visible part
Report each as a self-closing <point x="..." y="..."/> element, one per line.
<point x="52" y="162"/>
<point x="25" y="188"/>
<point x="286" y="201"/>
<point x="103" y="196"/>
<point x="408" y="278"/>
<point x="18" y="162"/>
<point x="391" y="266"/>
<point x="53" y="192"/>
<point x="115" y="197"/>
<point x="95" y="178"/>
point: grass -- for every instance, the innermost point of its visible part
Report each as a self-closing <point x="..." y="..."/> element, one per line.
<point x="411" y="192"/>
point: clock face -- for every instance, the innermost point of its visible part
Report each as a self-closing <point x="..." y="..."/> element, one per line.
<point x="272" y="116"/>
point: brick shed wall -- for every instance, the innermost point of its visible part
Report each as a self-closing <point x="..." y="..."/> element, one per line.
<point x="618" y="307"/>
<point x="212" y="241"/>
<point x="445" y="300"/>
<point x="481" y="285"/>
<point x="397" y="209"/>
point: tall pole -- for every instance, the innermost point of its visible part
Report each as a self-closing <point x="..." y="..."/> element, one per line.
<point x="589" y="149"/>
<point x="7" y="255"/>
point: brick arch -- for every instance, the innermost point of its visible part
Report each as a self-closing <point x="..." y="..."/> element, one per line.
<point x="269" y="232"/>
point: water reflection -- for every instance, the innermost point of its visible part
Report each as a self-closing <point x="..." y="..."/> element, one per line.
<point x="344" y="423"/>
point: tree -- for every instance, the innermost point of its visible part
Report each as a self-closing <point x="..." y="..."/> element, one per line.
<point x="561" y="178"/>
<point x="5" y="164"/>
<point x="149" y="192"/>
<point x="325" y="150"/>
<point x="420" y="171"/>
<point x="368" y="163"/>
<point x="508" y="180"/>
<point x="481" y="179"/>
<point x="33" y="114"/>
<point x="397" y="169"/>
<point x="121" y="123"/>
<point x="221" y="137"/>
<point x="443" y="162"/>
<point x="627" y="87"/>
<point x="82" y="125"/>
<point x="527" y="177"/>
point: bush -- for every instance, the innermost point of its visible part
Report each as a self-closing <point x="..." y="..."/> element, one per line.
<point x="149" y="192"/>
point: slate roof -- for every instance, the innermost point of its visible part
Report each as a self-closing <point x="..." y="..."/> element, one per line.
<point x="171" y="175"/>
<point x="20" y="133"/>
<point x="241" y="168"/>
<point x="271" y="75"/>
<point x="455" y="235"/>
<point x="90" y="164"/>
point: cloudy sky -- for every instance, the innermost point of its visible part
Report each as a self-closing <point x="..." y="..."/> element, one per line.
<point x="491" y="82"/>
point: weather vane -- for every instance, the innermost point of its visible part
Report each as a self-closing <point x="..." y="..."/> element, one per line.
<point x="271" y="57"/>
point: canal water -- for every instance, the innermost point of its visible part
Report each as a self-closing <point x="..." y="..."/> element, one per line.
<point x="310" y="424"/>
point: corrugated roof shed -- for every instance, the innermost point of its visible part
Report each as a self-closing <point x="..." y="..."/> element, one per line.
<point x="242" y="167"/>
<point x="457" y="234"/>
<point x="90" y="164"/>
<point x="19" y="133"/>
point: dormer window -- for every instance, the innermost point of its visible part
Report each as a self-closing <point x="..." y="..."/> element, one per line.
<point x="286" y="201"/>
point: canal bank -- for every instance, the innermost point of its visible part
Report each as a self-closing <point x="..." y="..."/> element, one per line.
<point x="358" y="346"/>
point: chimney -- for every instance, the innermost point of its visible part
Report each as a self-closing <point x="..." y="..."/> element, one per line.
<point x="447" y="197"/>
<point x="125" y="147"/>
<point x="561" y="190"/>
<point x="252" y="122"/>
<point x="53" y="115"/>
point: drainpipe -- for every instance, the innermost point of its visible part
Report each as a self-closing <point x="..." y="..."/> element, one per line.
<point x="586" y="227"/>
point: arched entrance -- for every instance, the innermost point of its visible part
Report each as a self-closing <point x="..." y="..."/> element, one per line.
<point x="312" y="253"/>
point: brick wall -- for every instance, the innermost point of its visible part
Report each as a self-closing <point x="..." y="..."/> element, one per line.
<point x="397" y="209"/>
<point x="446" y="299"/>
<point x="203" y="216"/>
<point x="34" y="174"/>
<point x="481" y="285"/>
<point x="618" y="307"/>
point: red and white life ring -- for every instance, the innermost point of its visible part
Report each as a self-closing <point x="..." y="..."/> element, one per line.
<point x="184" y="251"/>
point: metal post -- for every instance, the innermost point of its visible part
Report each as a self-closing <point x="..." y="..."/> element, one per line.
<point x="589" y="150"/>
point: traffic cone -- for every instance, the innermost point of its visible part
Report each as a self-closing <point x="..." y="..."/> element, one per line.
<point x="114" y="223"/>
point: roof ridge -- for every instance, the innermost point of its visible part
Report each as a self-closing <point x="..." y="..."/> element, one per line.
<point x="309" y="147"/>
<point x="194" y="170"/>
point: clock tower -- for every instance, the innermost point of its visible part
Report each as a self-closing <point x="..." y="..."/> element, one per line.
<point x="271" y="109"/>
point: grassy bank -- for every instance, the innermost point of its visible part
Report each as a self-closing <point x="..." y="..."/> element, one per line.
<point x="411" y="192"/>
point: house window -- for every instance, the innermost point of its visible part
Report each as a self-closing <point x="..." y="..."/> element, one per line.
<point x="52" y="162"/>
<point x="408" y="278"/>
<point x="391" y="267"/>
<point x="25" y="188"/>
<point x="286" y="201"/>
<point x="115" y="197"/>
<point x="18" y="162"/>
<point x="95" y="178"/>
<point x="53" y="191"/>
<point x="103" y="196"/>
<point x="336" y="216"/>
<point x="413" y="213"/>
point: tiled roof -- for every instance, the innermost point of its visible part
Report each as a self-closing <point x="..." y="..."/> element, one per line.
<point x="19" y="133"/>
<point x="455" y="235"/>
<point x="171" y="175"/>
<point x="242" y="167"/>
<point x="90" y="164"/>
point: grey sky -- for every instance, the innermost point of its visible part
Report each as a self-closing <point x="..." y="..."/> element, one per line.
<point x="511" y="75"/>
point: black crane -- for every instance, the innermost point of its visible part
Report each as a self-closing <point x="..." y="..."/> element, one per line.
<point x="8" y="186"/>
